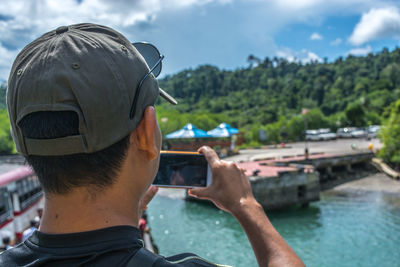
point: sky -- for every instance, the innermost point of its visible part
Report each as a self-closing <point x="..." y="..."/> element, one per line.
<point x="218" y="32"/>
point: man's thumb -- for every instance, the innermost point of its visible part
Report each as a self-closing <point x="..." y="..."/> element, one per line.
<point x="198" y="192"/>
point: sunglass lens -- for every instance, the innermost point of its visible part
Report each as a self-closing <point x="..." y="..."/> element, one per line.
<point x="151" y="55"/>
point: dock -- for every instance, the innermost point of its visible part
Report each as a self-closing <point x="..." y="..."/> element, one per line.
<point x="280" y="182"/>
<point x="284" y="177"/>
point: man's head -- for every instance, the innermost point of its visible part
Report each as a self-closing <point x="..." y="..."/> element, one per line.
<point x="33" y="223"/>
<point x="6" y="240"/>
<point x="78" y="100"/>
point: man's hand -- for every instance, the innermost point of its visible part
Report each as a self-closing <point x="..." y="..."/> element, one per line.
<point x="230" y="188"/>
<point x="148" y="196"/>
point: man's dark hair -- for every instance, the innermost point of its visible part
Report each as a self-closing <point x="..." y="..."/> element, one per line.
<point x="33" y="223"/>
<point x="60" y="174"/>
<point x="6" y="240"/>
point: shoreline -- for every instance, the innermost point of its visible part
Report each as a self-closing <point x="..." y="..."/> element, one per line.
<point x="375" y="187"/>
<point x="374" y="183"/>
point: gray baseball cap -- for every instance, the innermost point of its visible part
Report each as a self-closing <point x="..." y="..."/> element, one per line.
<point x="91" y="70"/>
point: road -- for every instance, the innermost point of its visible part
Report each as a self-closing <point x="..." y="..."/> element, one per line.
<point x="340" y="146"/>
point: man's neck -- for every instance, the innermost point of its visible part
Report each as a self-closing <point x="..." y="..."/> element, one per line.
<point x="79" y="211"/>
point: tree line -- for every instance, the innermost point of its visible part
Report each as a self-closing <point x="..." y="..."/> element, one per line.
<point x="351" y="91"/>
<point x="270" y="94"/>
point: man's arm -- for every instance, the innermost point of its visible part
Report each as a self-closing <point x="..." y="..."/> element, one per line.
<point x="230" y="190"/>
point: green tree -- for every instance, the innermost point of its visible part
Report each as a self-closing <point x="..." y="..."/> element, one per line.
<point x="355" y="115"/>
<point x="277" y="131"/>
<point x="3" y="89"/>
<point x="295" y="128"/>
<point x="6" y="142"/>
<point x="390" y="137"/>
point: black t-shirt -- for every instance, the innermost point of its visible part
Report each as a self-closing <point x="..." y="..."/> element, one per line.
<point x="113" y="246"/>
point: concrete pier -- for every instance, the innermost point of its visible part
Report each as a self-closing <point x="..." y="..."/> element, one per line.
<point x="287" y="189"/>
<point x="281" y="182"/>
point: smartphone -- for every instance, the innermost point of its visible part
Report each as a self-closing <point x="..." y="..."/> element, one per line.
<point x="181" y="169"/>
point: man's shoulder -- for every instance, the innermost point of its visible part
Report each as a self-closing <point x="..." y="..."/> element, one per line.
<point x="21" y="256"/>
<point x="13" y="256"/>
<point x="183" y="260"/>
<point x="97" y="248"/>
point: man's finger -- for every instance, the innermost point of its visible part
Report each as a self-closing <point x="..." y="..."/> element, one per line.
<point x="243" y="169"/>
<point x="148" y="196"/>
<point x="211" y="157"/>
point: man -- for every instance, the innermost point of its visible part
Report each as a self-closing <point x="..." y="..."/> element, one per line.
<point x="143" y="224"/>
<point x="6" y="244"/>
<point x="80" y="102"/>
<point x="38" y="216"/>
<point x="28" y="232"/>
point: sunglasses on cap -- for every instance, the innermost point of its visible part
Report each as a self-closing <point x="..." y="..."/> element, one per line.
<point x="153" y="59"/>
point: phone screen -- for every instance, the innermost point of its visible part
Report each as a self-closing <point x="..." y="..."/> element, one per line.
<point x="182" y="170"/>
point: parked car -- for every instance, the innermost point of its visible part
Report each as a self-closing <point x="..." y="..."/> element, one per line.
<point x="326" y="134"/>
<point x="312" y="135"/>
<point x="345" y="132"/>
<point x="320" y="134"/>
<point x="358" y="133"/>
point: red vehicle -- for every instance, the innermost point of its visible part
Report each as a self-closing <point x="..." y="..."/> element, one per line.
<point x="20" y="198"/>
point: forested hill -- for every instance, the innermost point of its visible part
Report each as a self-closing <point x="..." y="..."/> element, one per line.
<point x="277" y="88"/>
<point x="355" y="91"/>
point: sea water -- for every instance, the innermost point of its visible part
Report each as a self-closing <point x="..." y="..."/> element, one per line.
<point x="339" y="230"/>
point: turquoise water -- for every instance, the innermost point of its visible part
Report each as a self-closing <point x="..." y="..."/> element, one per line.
<point x="339" y="230"/>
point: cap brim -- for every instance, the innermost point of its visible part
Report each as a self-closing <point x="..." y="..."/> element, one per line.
<point x="167" y="97"/>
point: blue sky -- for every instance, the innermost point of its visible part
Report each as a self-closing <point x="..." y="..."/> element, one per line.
<point x="218" y="32"/>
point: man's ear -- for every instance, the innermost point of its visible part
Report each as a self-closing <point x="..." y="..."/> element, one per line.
<point x="144" y="136"/>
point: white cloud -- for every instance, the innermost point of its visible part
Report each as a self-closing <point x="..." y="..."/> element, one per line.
<point x="49" y="14"/>
<point x="337" y="41"/>
<point x="375" y="24"/>
<point x="27" y="20"/>
<point x="286" y="54"/>
<point x="174" y="25"/>
<point x="316" y="36"/>
<point x="6" y="57"/>
<point x="310" y="57"/>
<point x="304" y="56"/>
<point x="360" y="51"/>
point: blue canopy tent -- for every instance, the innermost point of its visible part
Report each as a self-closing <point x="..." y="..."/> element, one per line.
<point x="188" y="131"/>
<point x="223" y="130"/>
